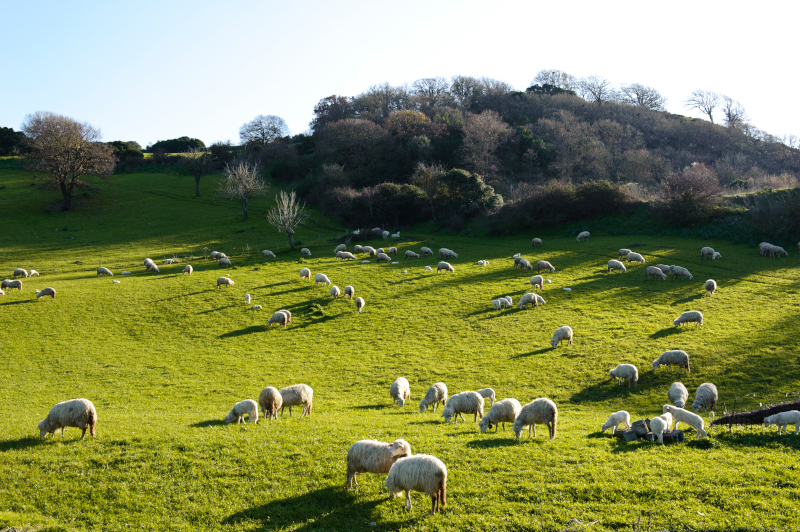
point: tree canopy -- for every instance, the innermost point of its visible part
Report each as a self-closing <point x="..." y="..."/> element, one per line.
<point x="179" y="145"/>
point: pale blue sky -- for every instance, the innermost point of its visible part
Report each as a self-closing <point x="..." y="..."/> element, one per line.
<point x="151" y="70"/>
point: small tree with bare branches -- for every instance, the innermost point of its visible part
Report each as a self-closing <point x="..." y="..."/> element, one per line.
<point x="198" y="163"/>
<point x="242" y="182"/>
<point x="287" y="214"/>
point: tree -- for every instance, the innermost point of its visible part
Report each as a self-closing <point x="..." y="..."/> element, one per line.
<point x="466" y="193"/>
<point x="704" y="101"/>
<point x="198" y="163"/>
<point x="262" y="130"/>
<point x="483" y="133"/>
<point x="430" y="91"/>
<point x="639" y="95"/>
<point x="126" y="150"/>
<point x="65" y="150"/>
<point x="329" y="110"/>
<point x="287" y="214"/>
<point x="242" y="182"/>
<point x="733" y="112"/>
<point x="556" y="78"/>
<point x="179" y="145"/>
<point x="597" y="89"/>
<point x="11" y="142"/>
<point x="428" y="178"/>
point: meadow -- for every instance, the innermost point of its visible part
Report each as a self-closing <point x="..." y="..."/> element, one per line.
<point x="165" y="356"/>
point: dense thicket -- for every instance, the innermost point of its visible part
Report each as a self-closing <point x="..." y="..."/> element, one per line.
<point x="179" y="145"/>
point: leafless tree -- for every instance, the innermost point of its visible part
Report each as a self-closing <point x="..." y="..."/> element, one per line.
<point x="262" y="130"/>
<point x="287" y="214"/>
<point x="596" y="89"/>
<point x="733" y="112"/>
<point x="641" y="96"/>
<point x="428" y="178"/>
<point x="242" y="183"/>
<point x="556" y="78"/>
<point x="198" y="163"/>
<point x="466" y="90"/>
<point x="64" y="150"/>
<point x="430" y="90"/>
<point x="483" y="133"/>
<point x="704" y="101"/>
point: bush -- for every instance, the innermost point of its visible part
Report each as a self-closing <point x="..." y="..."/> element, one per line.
<point x="689" y="196"/>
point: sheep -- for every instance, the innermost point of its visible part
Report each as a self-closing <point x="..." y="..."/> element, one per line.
<point x="170" y="261"/>
<point x="421" y="472"/>
<point x="436" y="394"/>
<point x="635" y="257"/>
<point x="716" y="255"/>
<point x="20" y="272"/>
<point x="680" y="271"/>
<point x="659" y="425"/>
<point x="625" y="372"/>
<point x="256" y="307"/>
<point x="2" y="293"/>
<point x="781" y="419"/>
<point x="690" y="316"/>
<point x="678" y="394"/>
<point x="445" y="253"/>
<point x="396" y="235"/>
<point x="496" y="304"/>
<point x="222" y="256"/>
<point x="411" y="255"/>
<point x="224" y="281"/>
<point x="562" y="333"/>
<point x="383" y="257"/>
<point x="623" y="253"/>
<point x="616" y="265"/>
<point x="270" y="401"/>
<point x="684" y="416"/>
<point x="335" y="292"/>
<point x="267" y="254"/>
<point x="528" y="299"/>
<point x="346" y="255"/>
<point x="544" y="265"/>
<point x="247" y="299"/>
<point x="537" y="281"/>
<point x="673" y="358"/>
<point x="380" y="250"/>
<point x="483" y="263"/>
<point x="368" y="250"/>
<point x="706" y="252"/>
<point x="340" y="247"/>
<point x="248" y="406"/>
<point x="705" y="397"/>
<point x="358" y="248"/>
<point x="524" y="264"/>
<point x="78" y="413"/>
<point x="188" y="269"/>
<point x="371" y="456"/>
<point x="150" y="266"/>
<point x="305" y="273"/>
<point x="349" y="291"/>
<point x="279" y="318"/>
<point x="428" y="269"/>
<point x="777" y="251"/>
<point x="711" y="286"/>
<point x="444" y="266"/>
<point x="391" y="251"/>
<point x="400" y="391"/>
<point x="505" y="411"/>
<point x="542" y="411"/>
<point x="104" y="272"/>
<point x="32" y="273"/>
<point x="224" y="262"/>
<point x="360" y="304"/>
<point x="655" y="272"/>
<point x="536" y="242"/>
<point x="305" y="252"/>
<point x="288" y="315"/>
<point x="664" y="268"/>
<point x="11" y="284"/>
<point x="583" y="236"/>
<point x="425" y="252"/>
<point x="385" y="234"/>
<point x="463" y="403"/>
<point x="615" y="419"/>
<point x="487" y="393"/>
<point x="298" y="394"/>
<point x="49" y="291"/>
<point x="214" y="255"/>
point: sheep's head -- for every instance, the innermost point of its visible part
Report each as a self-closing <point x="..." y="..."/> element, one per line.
<point x="667" y="409"/>
<point x="447" y="414"/>
<point x="42" y="428"/>
<point x="400" y="448"/>
<point x="518" y="433"/>
<point x="422" y="406"/>
<point x="767" y="422"/>
<point x="656" y="365"/>
<point x="484" y="424"/>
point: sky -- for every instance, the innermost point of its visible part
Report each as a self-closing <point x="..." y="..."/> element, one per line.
<point x="149" y="71"/>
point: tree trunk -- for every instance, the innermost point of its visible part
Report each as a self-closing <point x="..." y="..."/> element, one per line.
<point x="291" y="238"/>
<point x="67" y="193"/>
<point x="244" y="204"/>
<point x="196" y="186"/>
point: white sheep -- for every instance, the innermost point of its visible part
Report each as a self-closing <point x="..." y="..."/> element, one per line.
<point x="562" y="333"/>
<point x="20" y="272"/>
<point x="248" y="407"/>
<point x="368" y="250"/>
<point x="487" y="393"/>
<point x="79" y="413"/>
<point x="391" y="251"/>
<point x="295" y="395"/>
<point x="716" y="255"/>
<point x="372" y="456"/>
<point x="655" y="272"/>
<point x="360" y="304"/>
<point x="383" y="257"/>
<point x="706" y="252"/>
<point x="385" y="234"/>
<point x="524" y="264"/>
<point x="705" y="397"/>
<point x="680" y="271"/>
<point x="542" y="411"/>
<point x="305" y="273"/>
<point x="288" y="315"/>
<point x="530" y="299"/>
<point x="625" y="372"/>
<point x="496" y="304"/>
<point x="270" y="401"/>
<point x="616" y="265"/>
<point x="150" y="266"/>
<point x="105" y="272"/>
<point x="425" y="252"/>
<point x="256" y="307"/>
<point x="335" y="292"/>
<point x="396" y="235"/>
<point x="678" y="394"/>
<point x="214" y="255"/>
<point x="483" y="263"/>
<point x="349" y="291"/>
<point x="537" y="281"/>
<point x="711" y="286"/>
<point x="421" y="472"/>
<point x="428" y="269"/>
<point x="516" y="256"/>
<point x="32" y="273"/>
<point x="583" y="236"/>
<point x="305" y="252"/>
<point x="411" y="255"/>
<point x="463" y="403"/>
<point x="444" y="266"/>
<point x="544" y="265"/>
<point x="278" y="318"/>
<point x="358" y="248"/>
<point x="188" y="269"/>
<point x="664" y="268"/>
<point x="247" y="299"/>
<point x="615" y="419"/>
<point x="436" y="394"/>
<point x="400" y="391"/>
<point x="684" y="416"/>
<point x="690" y="316"/>
<point x="781" y="419"/>
<point x="267" y="254"/>
<point x="340" y="247"/>
<point x="380" y="250"/>
<point x="225" y="262"/>
<point x="635" y="257"/>
<point x="170" y="261"/>
<point x="502" y="412"/>
<point x="659" y="425"/>
<point x="224" y="281"/>
<point x="675" y="357"/>
<point x="346" y="255"/>
<point x="11" y="284"/>
<point x="44" y="292"/>
<point x="623" y="253"/>
<point x="536" y="242"/>
<point x="506" y="301"/>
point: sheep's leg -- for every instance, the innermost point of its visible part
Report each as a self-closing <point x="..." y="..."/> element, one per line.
<point x="83" y="434"/>
<point x="408" y="499"/>
<point x="62" y="432"/>
<point x="462" y="417"/>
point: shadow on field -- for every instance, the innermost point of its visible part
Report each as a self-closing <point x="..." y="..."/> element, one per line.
<point x="602" y="391"/>
<point x="300" y="289"/>
<point x="216" y="309"/>
<point x="492" y="442"/>
<point x="687" y="299"/>
<point x="19" y="302"/>
<point x="241" y="332"/>
<point x="537" y="352"/>
<point x="206" y="424"/>
<point x="436" y="421"/>
<point x="23" y="443"/>
<point x="664" y="333"/>
<point x="370" y="407"/>
<point x="749" y="439"/>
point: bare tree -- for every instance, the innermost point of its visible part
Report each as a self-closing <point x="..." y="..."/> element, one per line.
<point x="733" y="112"/>
<point x="641" y="96"/>
<point x="263" y="130"/>
<point x="242" y="182"/>
<point x="430" y="90"/>
<point x="428" y="178"/>
<point x="597" y="89"/>
<point x="287" y="214"/>
<point x="198" y="163"/>
<point x="65" y="150"/>
<point x="556" y="78"/>
<point x="483" y="133"/>
<point x="704" y="101"/>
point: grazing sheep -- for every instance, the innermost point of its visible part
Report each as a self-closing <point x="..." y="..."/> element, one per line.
<point x="371" y="456"/>
<point x="358" y="248"/>
<point x="487" y="393"/>
<point x="684" y="416"/>
<point x="536" y="242"/>
<point x="690" y="316"/>
<point x="150" y="266"/>
<point x="391" y="251"/>
<point x="279" y="318"/>
<point x="625" y="372"/>
<point x="680" y="271"/>
<point x="659" y="425"/>
<point x="537" y="281"/>
<point x="544" y="265"/>
<point x="542" y="411"/>
<point x="11" y="284"/>
<point x="267" y="254"/>
<point x="170" y="261"/>
<point x="616" y="265"/>
<point x="20" y="272"/>
<point x="256" y="307"/>
<point x="49" y="291"/>
<point x="562" y="333"/>
<point x="349" y="291"/>
<point x="615" y="419"/>
<point x="224" y="261"/>
<point x="248" y="406"/>
<point x="32" y="273"/>
<point x="305" y="252"/>
<point x="675" y="357"/>
<point x="340" y="247"/>
<point x="305" y="273"/>
<point x="383" y="257"/>
<point x="368" y="250"/>
<point x="583" y="236"/>
<point x="706" y="252"/>
<point x="678" y="394"/>
<point x="663" y="267"/>
<point x="188" y="269"/>
<point x="247" y="299"/>
<point x="524" y="264"/>
<point x="463" y="403"/>
<point x="506" y="301"/>
<point x="777" y="251"/>
<point x="295" y="395"/>
<point x="421" y="472"/>
<point x="385" y="234"/>
<point x="400" y="391"/>
<point x="288" y="315"/>
<point x="2" y="293"/>
<point x="444" y="266"/>
<point x="623" y="253"/>
<point x="214" y="255"/>
<point x="635" y="257"/>
<point x="360" y="304"/>
<point x="346" y="255"/>
<point x="505" y="411"/>
<point x="335" y="292"/>
<point x="705" y="397"/>
<point x="425" y="252"/>
<point x="711" y="286"/>
<point x="483" y="263"/>
<point x="496" y="304"/>
<point x="396" y="235"/>
<point x="105" y="272"/>
<point x="428" y="269"/>
<point x="270" y="401"/>
<point x="380" y="250"/>
<point x="655" y="272"/>
<point x="528" y="299"/>
<point x="781" y="419"/>
<point x="78" y="413"/>
<point x="436" y="394"/>
<point x="411" y="255"/>
<point x="224" y="281"/>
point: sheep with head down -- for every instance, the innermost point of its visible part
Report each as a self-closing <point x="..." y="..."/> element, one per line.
<point x="224" y="262"/>
<point x="305" y="273"/>
<point x="10" y="284"/>
<point x="711" y="286"/>
<point x="104" y="272"/>
<point x="420" y="472"/>
<point x="502" y="412"/>
<point x="400" y="391"/>
<point x="20" y="272"/>
<point x="371" y="456"/>
<point x="616" y="265"/>
<point x="445" y="266"/>
<point x="680" y="271"/>
<point x="188" y="269"/>
<point x="411" y="255"/>
<point x="544" y="265"/>
<point x="437" y="393"/>
<point x="690" y="316"/>
<point x="536" y="242"/>
<point x="270" y="401"/>
<point x="659" y="425"/>
<point x="655" y="272"/>
<point x="635" y="257"/>
<point x="675" y="357"/>
<point x="680" y="415"/>
<point x="463" y="403"/>
<point x="248" y="408"/>
<point x="425" y="252"/>
<point x="678" y="394"/>
<point x="705" y="398"/>
<point x="305" y="252"/>
<point x="627" y="372"/>
<point x="537" y="281"/>
<point x="340" y="247"/>
<point x="349" y="291"/>
<point x="224" y="281"/>
<point x="78" y="413"/>
<point x="623" y="253"/>
<point x="360" y="304"/>
<point x="335" y="292"/>
<point x="278" y="318"/>
<point x="615" y="419"/>
<point x="267" y="254"/>
<point x="541" y="411"/>
<point x="583" y="236"/>
<point x="44" y="292"/>
<point x="562" y="333"/>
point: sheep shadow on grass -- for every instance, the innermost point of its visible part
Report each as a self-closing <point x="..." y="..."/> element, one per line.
<point x="207" y="423"/>
<point x="217" y="309"/>
<point x="687" y="299"/>
<point x="752" y="439"/>
<point x="532" y="353"/>
<point x="371" y="407"/>
<point x="241" y="332"/>
<point x="663" y="333"/>
<point x="493" y="440"/>
<point x="19" y="302"/>
<point x="25" y="442"/>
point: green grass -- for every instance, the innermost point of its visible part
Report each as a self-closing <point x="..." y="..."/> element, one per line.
<point x="164" y="357"/>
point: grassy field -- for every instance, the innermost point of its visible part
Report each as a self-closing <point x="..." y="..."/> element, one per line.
<point x="164" y="357"/>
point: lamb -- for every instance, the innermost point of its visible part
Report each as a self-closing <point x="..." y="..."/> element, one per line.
<point x="248" y="406"/>
<point x="536" y="242"/>
<point x="49" y="291"/>
<point x="562" y="333"/>
<point x="391" y="251"/>
<point x="346" y="255"/>
<point x="104" y="272"/>
<point x="279" y="318"/>
<point x="711" y="286"/>
<point x="305" y="252"/>
<point x="400" y="391"/>
<point x="463" y="403"/>
<point x="781" y="419"/>
<point x="247" y="299"/>
<point x="655" y="272"/>
<point x="616" y="265"/>
<point x="256" y="307"/>
<point x="396" y="235"/>
<point x="659" y="425"/>
<point x="170" y="261"/>
<point x="684" y="416"/>
<point x="678" y="394"/>
<point x="690" y="316"/>
<point x="705" y="397"/>
<point x="305" y="273"/>
<point x="537" y="281"/>
<point x="225" y="262"/>
<point x="270" y="401"/>
<point x="505" y="411"/>
<point x="79" y="413"/>
<point x="664" y="268"/>
<point x="32" y="273"/>
<point x="425" y="252"/>
<point x="487" y="393"/>
<point x="383" y="257"/>
<point x="680" y="271"/>
<point x="267" y="254"/>
<point x="11" y="284"/>
<point x="421" y="472"/>
<point x="411" y="255"/>
<point x="335" y="292"/>
<point x="436" y="394"/>
<point x="349" y="291"/>
<point x="496" y="304"/>
<point x="777" y="251"/>
<point x="444" y="266"/>
<point x="623" y="253"/>
<point x="358" y="249"/>
<point x="340" y="247"/>
<point x="706" y="252"/>
<point x="298" y="394"/>
<point x="385" y="234"/>
<point x="150" y="266"/>
<point x="542" y="411"/>
<point x="524" y="264"/>
<point x="224" y="281"/>
<point x="20" y="272"/>
<point x="506" y="301"/>
<point x="615" y="419"/>
<point x="483" y="263"/>
<point x="371" y="456"/>
<point x="625" y="372"/>
<point x="635" y="257"/>
<point x="188" y="269"/>
<point x="360" y="304"/>
<point x="716" y="255"/>
<point x="428" y="269"/>
<point x="583" y="236"/>
<point x="673" y="358"/>
<point x="544" y="265"/>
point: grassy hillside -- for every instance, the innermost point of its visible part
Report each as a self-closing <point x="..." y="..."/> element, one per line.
<point x="164" y="357"/>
